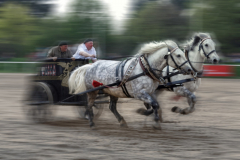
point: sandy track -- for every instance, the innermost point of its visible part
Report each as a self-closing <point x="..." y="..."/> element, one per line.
<point x="211" y="132"/>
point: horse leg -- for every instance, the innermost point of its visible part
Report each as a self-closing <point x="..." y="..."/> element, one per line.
<point x="155" y="107"/>
<point x="91" y="98"/>
<point x="191" y="98"/>
<point x="113" y="108"/>
<point x="148" y="106"/>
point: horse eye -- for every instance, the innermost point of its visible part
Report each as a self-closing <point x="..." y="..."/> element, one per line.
<point x="178" y="55"/>
<point x="206" y="45"/>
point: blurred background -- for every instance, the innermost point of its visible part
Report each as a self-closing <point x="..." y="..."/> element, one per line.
<point x="29" y="28"/>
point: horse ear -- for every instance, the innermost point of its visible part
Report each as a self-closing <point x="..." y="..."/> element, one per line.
<point x="195" y="41"/>
<point x="187" y="47"/>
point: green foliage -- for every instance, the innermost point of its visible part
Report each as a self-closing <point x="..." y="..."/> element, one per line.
<point x="158" y="21"/>
<point x="86" y="20"/>
<point x="16" y="28"/>
<point x="18" y="67"/>
<point x="222" y="18"/>
<point x="155" y="21"/>
<point x="151" y="20"/>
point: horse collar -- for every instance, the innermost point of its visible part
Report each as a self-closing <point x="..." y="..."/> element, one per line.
<point x="125" y="76"/>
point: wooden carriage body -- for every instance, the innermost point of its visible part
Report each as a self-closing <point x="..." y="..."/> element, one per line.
<point x="55" y="75"/>
<point x="49" y="86"/>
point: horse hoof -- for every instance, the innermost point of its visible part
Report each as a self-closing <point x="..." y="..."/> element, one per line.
<point x="144" y="112"/>
<point x="92" y="124"/>
<point x="184" y="112"/>
<point x="176" y="109"/>
<point x="94" y="127"/>
<point x="141" y="111"/>
<point x="157" y="126"/>
<point x="123" y="124"/>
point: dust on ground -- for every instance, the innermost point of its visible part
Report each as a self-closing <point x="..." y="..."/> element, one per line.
<point x="211" y="132"/>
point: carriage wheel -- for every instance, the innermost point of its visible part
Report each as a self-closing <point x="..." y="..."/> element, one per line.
<point x="101" y="102"/>
<point x="38" y="105"/>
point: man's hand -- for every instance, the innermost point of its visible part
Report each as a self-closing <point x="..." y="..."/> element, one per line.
<point x="73" y="58"/>
<point x="92" y="56"/>
<point x="54" y="58"/>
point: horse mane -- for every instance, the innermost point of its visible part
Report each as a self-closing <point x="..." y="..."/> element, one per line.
<point x="196" y="38"/>
<point x="152" y="47"/>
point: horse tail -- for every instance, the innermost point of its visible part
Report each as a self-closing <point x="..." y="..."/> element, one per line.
<point x="76" y="80"/>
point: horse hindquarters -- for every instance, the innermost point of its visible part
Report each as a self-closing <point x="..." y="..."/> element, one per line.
<point x="76" y="80"/>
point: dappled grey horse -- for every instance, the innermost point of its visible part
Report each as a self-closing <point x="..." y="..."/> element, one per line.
<point x="146" y="66"/>
<point x="197" y="50"/>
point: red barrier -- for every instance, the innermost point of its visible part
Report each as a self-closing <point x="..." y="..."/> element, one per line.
<point x="218" y="71"/>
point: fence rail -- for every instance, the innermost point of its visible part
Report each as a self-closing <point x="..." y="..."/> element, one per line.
<point x="31" y="67"/>
<point x="18" y="67"/>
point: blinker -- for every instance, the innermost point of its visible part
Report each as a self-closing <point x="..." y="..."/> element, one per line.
<point x="166" y="56"/>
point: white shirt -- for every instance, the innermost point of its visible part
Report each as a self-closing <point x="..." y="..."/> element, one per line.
<point x="82" y="47"/>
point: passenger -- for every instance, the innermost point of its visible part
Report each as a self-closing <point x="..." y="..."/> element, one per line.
<point x="86" y="51"/>
<point x="60" y="51"/>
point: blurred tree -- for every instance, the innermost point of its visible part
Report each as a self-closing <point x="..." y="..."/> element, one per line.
<point x="182" y="4"/>
<point x="222" y="18"/>
<point x="138" y="5"/>
<point x="85" y="20"/>
<point x="157" y="20"/>
<point x="17" y="28"/>
<point x="38" y="8"/>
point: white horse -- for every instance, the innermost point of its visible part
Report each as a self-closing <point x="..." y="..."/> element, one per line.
<point x="154" y="55"/>
<point x="197" y="50"/>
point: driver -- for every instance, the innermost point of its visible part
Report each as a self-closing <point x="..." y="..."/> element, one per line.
<point x="60" y="51"/>
<point x="86" y="51"/>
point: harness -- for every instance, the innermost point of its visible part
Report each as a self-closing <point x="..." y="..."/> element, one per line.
<point x="126" y="76"/>
<point x="147" y="70"/>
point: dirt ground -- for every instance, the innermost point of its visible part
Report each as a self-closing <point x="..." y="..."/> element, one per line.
<point x="211" y="132"/>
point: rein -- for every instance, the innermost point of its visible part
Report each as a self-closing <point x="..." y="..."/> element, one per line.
<point x="177" y="66"/>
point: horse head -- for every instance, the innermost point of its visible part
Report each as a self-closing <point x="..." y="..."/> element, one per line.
<point x="176" y="58"/>
<point x="205" y="46"/>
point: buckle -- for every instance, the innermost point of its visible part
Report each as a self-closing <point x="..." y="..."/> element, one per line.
<point x="163" y="81"/>
<point x="195" y="76"/>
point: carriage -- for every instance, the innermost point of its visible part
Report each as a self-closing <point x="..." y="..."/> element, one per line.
<point x="49" y="87"/>
<point x="55" y="80"/>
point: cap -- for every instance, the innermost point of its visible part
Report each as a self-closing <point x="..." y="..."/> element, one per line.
<point x="87" y="40"/>
<point x="62" y="43"/>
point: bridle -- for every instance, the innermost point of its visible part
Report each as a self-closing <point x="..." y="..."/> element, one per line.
<point x="201" y="47"/>
<point x="170" y="54"/>
<point x="199" y="73"/>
